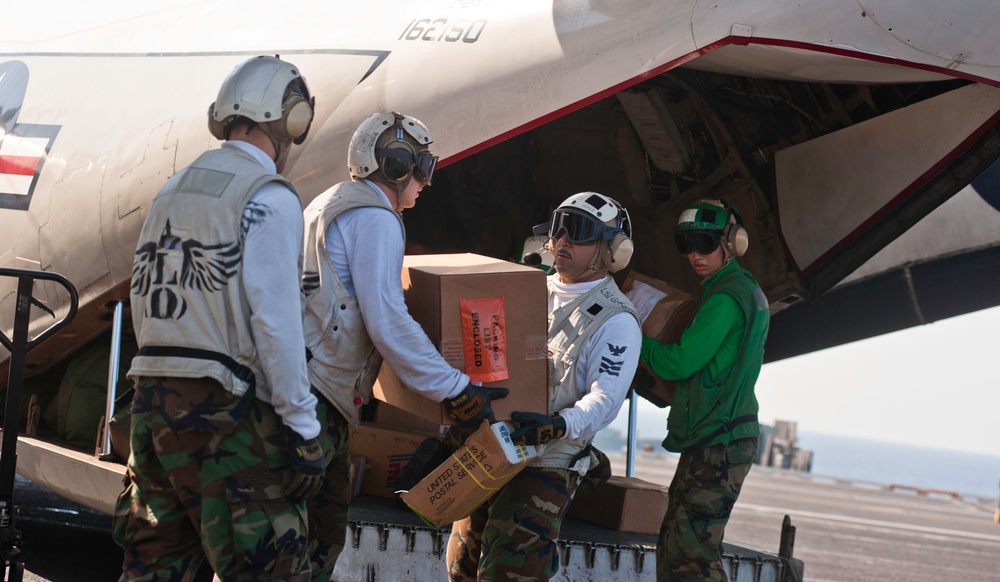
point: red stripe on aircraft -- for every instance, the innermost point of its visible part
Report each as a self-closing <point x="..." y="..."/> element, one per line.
<point x="663" y="68"/>
<point x="19" y="165"/>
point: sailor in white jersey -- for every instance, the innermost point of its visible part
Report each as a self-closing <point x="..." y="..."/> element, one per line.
<point x="355" y="314"/>
<point x="593" y="347"/>
<point x="220" y="372"/>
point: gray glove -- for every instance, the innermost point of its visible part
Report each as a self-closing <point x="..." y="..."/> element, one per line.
<point x="472" y="406"/>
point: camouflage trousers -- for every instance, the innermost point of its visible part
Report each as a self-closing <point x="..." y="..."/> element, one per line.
<point x="206" y="485"/>
<point x="704" y="489"/>
<point x="328" y="509"/>
<point x="512" y="537"/>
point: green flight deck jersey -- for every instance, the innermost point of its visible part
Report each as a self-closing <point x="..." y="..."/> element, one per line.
<point x="716" y="363"/>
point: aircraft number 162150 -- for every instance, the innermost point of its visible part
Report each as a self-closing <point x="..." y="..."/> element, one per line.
<point x="438" y="29"/>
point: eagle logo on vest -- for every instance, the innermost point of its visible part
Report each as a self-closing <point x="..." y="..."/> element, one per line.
<point x="204" y="268"/>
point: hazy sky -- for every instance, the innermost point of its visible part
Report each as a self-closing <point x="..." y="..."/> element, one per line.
<point x="936" y="385"/>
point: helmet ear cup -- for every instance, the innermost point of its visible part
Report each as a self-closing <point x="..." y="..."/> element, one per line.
<point x="395" y="169"/>
<point x="297" y="116"/>
<point x="737" y="240"/>
<point x="621" y="252"/>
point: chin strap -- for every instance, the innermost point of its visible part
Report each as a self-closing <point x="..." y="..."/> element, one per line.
<point x="595" y="263"/>
<point x="277" y="145"/>
<point x="399" y="187"/>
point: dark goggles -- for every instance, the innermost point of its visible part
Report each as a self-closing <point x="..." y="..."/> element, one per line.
<point x="423" y="163"/>
<point x="703" y="242"/>
<point x="579" y="229"/>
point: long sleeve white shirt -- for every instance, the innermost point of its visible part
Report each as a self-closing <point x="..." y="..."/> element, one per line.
<point x="272" y="243"/>
<point x="366" y="248"/>
<point x="603" y="387"/>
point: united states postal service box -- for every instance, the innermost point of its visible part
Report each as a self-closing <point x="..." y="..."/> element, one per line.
<point x="487" y="461"/>
<point x="386" y="450"/>
<point x="623" y="504"/>
<point x="667" y="310"/>
<point x="488" y="318"/>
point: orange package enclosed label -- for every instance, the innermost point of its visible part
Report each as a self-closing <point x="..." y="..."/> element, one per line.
<point x="484" y="339"/>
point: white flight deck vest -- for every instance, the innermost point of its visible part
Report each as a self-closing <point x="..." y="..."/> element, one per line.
<point x="570" y="328"/>
<point x="187" y="286"/>
<point x="344" y="362"/>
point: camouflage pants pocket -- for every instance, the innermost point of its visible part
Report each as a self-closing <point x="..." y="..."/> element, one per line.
<point x="119" y="521"/>
<point x="267" y="532"/>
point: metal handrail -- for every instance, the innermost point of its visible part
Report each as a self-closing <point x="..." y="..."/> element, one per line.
<point x="105" y="451"/>
<point x="19" y="345"/>
<point x="26" y="279"/>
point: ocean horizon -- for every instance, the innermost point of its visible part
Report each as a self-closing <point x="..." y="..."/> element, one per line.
<point x="873" y="461"/>
<point x="901" y="464"/>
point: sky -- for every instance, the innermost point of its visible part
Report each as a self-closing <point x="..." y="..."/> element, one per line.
<point x="936" y="385"/>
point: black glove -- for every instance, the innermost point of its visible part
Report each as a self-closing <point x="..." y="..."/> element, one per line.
<point x="472" y="406"/>
<point x="308" y="464"/>
<point x="537" y="429"/>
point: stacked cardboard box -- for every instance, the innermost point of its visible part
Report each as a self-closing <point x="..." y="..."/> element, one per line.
<point x="623" y="504"/>
<point x="667" y="311"/>
<point x="386" y="450"/>
<point x="488" y="318"/>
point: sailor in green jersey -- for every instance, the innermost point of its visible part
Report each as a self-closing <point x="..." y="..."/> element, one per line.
<point x="713" y="417"/>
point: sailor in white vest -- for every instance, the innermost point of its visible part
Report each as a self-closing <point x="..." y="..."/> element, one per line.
<point x="593" y="340"/>
<point x="224" y="428"/>
<point x="355" y="314"/>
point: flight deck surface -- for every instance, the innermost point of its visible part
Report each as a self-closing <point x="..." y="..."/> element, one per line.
<point x="845" y="531"/>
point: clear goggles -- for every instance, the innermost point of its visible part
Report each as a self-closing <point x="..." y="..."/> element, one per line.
<point x="423" y="163"/>
<point x="703" y="242"/>
<point x="580" y="229"/>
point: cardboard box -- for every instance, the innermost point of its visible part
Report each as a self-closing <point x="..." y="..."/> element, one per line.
<point x="623" y="504"/>
<point x="388" y="414"/>
<point x="386" y="449"/>
<point x="509" y="350"/>
<point x="487" y="461"/>
<point x="668" y="311"/>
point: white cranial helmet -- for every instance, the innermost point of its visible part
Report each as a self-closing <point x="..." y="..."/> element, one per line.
<point x="589" y="217"/>
<point x="268" y="92"/>
<point x="394" y="144"/>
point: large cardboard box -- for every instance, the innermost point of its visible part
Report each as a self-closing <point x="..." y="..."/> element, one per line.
<point x="484" y="464"/>
<point x="386" y="449"/>
<point x="667" y="311"/>
<point x="488" y="318"/>
<point x="623" y="504"/>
